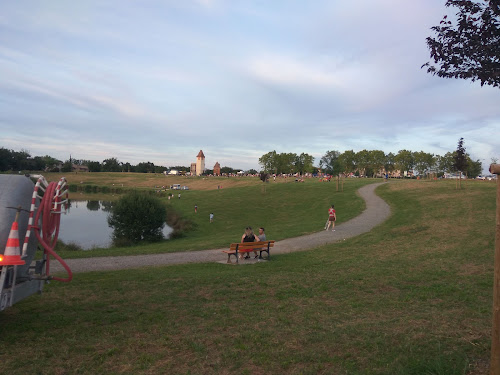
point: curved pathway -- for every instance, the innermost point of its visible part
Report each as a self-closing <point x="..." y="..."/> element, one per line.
<point x="376" y="212"/>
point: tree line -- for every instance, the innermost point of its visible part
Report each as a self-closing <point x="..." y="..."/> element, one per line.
<point x="11" y="160"/>
<point x="365" y="162"/>
<point x="372" y="162"/>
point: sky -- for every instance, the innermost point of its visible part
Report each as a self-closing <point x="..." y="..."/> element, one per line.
<point x="159" y="80"/>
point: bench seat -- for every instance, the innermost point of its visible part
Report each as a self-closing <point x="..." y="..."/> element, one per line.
<point x="248" y="247"/>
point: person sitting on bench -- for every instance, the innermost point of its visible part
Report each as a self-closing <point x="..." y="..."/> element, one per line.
<point x="249" y="236"/>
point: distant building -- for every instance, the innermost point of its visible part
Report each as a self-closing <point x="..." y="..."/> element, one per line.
<point x="193" y="169"/>
<point x="200" y="163"/>
<point x="217" y="169"/>
<point x="79" y="168"/>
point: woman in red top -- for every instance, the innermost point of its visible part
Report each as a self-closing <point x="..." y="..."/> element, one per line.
<point x="332" y="216"/>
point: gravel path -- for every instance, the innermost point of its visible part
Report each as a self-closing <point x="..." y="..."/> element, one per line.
<point x="376" y="212"/>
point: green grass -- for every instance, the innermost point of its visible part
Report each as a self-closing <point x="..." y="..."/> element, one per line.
<point x="413" y="296"/>
<point x="284" y="209"/>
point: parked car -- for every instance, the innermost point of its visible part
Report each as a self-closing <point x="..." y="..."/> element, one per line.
<point x="184" y="188"/>
<point x="480" y="178"/>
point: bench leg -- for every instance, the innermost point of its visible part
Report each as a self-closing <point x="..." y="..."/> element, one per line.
<point x="229" y="258"/>
<point x="264" y="251"/>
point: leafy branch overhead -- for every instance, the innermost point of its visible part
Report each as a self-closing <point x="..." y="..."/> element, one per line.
<point x="469" y="46"/>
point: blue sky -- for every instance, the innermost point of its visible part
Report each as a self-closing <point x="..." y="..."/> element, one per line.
<point x="158" y="80"/>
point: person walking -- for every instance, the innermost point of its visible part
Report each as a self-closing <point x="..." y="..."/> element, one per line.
<point x="211" y="217"/>
<point x="195" y="208"/>
<point x="332" y="217"/>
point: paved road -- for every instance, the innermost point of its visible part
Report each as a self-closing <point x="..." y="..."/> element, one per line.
<point x="376" y="212"/>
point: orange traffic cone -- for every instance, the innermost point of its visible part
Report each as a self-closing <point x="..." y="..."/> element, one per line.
<point x="12" y="253"/>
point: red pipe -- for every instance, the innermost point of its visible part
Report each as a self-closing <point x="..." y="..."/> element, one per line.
<point x="50" y="228"/>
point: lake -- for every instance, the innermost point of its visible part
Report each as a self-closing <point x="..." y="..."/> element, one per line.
<point x="86" y="224"/>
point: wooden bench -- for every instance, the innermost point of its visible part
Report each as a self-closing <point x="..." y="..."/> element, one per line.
<point x="248" y="247"/>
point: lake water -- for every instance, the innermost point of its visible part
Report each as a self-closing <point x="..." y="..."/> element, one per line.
<point x="86" y="224"/>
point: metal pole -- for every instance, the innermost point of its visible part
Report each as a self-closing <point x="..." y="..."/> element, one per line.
<point x="495" y="334"/>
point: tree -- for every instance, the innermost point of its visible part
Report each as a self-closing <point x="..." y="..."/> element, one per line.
<point x="460" y="157"/>
<point x="67" y="166"/>
<point x="423" y="162"/>
<point x="363" y="162"/>
<point x="474" y="168"/>
<point x="404" y="160"/>
<point x="94" y="166"/>
<point x="469" y="49"/>
<point x="268" y="162"/>
<point x="5" y="159"/>
<point x="137" y="217"/>
<point x="347" y="161"/>
<point x="19" y="160"/>
<point x="227" y="170"/>
<point x="304" y="163"/>
<point x="145" y="167"/>
<point x="389" y="162"/>
<point x="445" y="162"/>
<point x="377" y="160"/>
<point x="330" y="163"/>
<point x="111" y="165"/>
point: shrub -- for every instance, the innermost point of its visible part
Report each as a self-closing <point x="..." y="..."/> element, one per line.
<point x="136" y="217"/>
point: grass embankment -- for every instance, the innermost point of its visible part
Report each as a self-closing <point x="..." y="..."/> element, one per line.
<point x="413" y="296"/>
<point x="284" y="209"/>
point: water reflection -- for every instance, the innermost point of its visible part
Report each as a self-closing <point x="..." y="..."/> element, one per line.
<point x="86" y="224"/>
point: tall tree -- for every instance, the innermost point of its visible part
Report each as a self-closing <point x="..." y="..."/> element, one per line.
<point x="424" y="162"/>
<point x="330" y="162"/>
<point x="474" y="167"/>
<point x="363" y="162"/>
<point x="445" y="162"/>
<point x="405" y="161"/>
<point x="460" y="160"/>
<point x="389" y="162"/>
<point x="5" y="159"/>
<point x="268" y="162"/>
<point x="460" y="157"/>
<point x="304" y="163"/>
<point x="469" y="49"/>
<point x="347" y="161"/>
<point x="377" y="161"/>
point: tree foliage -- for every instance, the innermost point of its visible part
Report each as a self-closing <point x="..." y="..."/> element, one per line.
<point x="287" y="163"/>
<point x="405" y="160"/>
<point x="469" y="49"/>
<point x="136" y="217"/>
<point x="460" y="158"/>
<point x="111" y="165"/>
<point x="330" y="163"/>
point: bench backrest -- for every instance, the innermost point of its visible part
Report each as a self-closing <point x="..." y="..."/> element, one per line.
<point x="252" y="245"/>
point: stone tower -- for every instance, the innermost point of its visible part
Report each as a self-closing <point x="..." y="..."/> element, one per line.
<point x="200" y="163"/>
<point x="217" y="169"/>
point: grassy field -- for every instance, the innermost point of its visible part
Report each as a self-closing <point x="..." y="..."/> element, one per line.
<point x="284" y="209"/>
<point x="414" y="296"/>
<point x="152" y="180"/>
